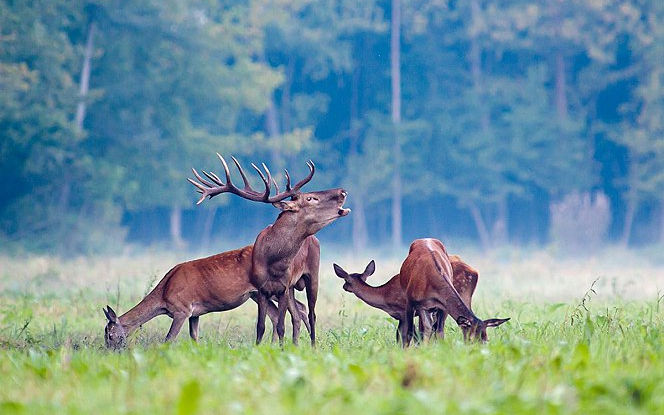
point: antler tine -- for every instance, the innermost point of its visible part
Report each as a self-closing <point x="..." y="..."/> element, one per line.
<point x="228" y="173"/>
<point x="312" y="170"/>
<point x="198" y="176"/>
<point x="213" y="177"/>
<point x="266" y="181"/>
<point x="288" y="185"/>
<point x="247" y="187"/>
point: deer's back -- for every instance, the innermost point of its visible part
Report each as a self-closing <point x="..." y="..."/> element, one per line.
<point x="215" y="283"/>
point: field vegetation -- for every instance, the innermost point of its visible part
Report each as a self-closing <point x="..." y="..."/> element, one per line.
<point x="585" y="336"/>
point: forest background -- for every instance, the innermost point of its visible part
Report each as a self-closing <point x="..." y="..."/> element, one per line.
<point x="533" y="123"/>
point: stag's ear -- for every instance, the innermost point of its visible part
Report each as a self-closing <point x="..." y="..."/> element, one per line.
<point x="463" y="322"/>
<point x="286" y="205"/>
<point x="495" y="322"/>
<point x="370" y="269"/>
<point x="340" y="271"/>
<point x="110" y="314"/>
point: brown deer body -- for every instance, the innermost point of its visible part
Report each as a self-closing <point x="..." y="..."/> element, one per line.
<point x="392" y="299"/>
<point x="426" y="277"/>
<point x="275" y="262"/>
<point x="217" y="283"/>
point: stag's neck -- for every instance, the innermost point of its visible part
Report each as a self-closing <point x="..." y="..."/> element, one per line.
<point x="282" y="240"/>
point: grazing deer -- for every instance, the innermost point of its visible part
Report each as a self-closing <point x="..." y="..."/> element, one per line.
<point x="391" y="298"/>
<point x="426" y="277"/>
<point x="274" y="266"/>
<point x="217" y="283"/>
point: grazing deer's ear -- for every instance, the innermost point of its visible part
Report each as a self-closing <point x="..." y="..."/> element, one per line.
<point x="110" y="314"/>
<point x="495" y="322"/>
<point x="370" y="269"/>
<point x="340" y="271"/>
<point x="463" y="322"/>
<point x="286" y="205"/>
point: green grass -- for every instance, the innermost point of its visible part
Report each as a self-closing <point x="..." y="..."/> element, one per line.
<point x="581" y="352"/>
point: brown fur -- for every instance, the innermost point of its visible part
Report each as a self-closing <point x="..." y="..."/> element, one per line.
<point x="426" y="277"/>
<point x="217" y="283"/>
<point x="392" y="299"/>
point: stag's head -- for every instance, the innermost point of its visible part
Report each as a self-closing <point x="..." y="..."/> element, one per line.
<point x="475" y="329"/>
<point x="354" y="279"/>
<point x="313" y="210"/>
<point x="115" y="335"/>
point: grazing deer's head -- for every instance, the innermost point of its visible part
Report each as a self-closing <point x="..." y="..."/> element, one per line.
<point x="475" y="329"/>
<point x="115" y="335"/>
<point x="351" y="280"/>
<point x="313" y="211"/>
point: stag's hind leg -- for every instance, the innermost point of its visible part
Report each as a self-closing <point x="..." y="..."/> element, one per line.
<point x="295" y="315"/>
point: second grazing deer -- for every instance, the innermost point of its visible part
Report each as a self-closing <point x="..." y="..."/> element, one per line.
<point x="274" y="266"/>
<point x="426" y="277"/>
<point x="391" y="298"/>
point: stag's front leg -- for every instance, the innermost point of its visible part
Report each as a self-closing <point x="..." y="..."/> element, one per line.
<point x="193" y="328"/>
<point x="282" y="299"/>
<point x="261" y="300"/>
<point x="295" y="315"/>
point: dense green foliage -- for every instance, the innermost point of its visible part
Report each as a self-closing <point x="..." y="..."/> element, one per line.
<point x="506" y="109"/>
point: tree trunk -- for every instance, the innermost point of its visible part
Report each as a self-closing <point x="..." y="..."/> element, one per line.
<point x="661" y="222"/>
<point x="176" y="227"/>
<point x="499" y="231"/>
<point x="395" y="65"/>
<point x="561" y="86"/>
<point x="482" y="230"/>
<point x="629" y="219"/>
<point x="206" y="231"/>
<point x="85" y="79"/>
<point x="359" y="232"/>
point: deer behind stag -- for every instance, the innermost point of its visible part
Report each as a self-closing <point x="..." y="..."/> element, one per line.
<point x="274" y="267"/>
<point x="426" y="277"/>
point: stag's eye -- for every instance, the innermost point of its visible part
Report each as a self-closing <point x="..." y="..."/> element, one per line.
<point x="309" y="198"/>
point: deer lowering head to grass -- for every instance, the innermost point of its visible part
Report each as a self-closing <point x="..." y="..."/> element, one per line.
<point x="392" y="299"/>
<point x="217" y="283"/>
<point x="274" y="267"/>
<point x="426" y="277"/>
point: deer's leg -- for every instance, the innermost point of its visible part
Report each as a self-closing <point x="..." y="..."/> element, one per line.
<point x="272" y="315"/>
<point x="295" y="315"/>
<point x="311" y="285"/>
<point x="176" y="326"/>
<point x="399" y="330"/>
<point x="193" y="328"/>
<point x="425" y="324"/>
<point x="304" y="314"/>
<point x="407" y="327"/>
<point x="281" y="311"/>
<point x="439" y="327"/>
<point x="261" y="300"/>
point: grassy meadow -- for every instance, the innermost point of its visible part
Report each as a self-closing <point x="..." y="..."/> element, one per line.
<point x="585" y="336"/>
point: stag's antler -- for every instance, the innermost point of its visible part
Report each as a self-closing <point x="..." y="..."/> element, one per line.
<point x="208" y="189"/>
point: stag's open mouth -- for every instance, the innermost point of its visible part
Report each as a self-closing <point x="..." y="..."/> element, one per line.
<point x="343" y="211"/>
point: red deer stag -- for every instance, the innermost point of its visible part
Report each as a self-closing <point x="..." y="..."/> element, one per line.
<point x="216" y="283"/>
<point x="274" y="262"/>
<point x="391" y="298"/>
<point x="425" y="276"/>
